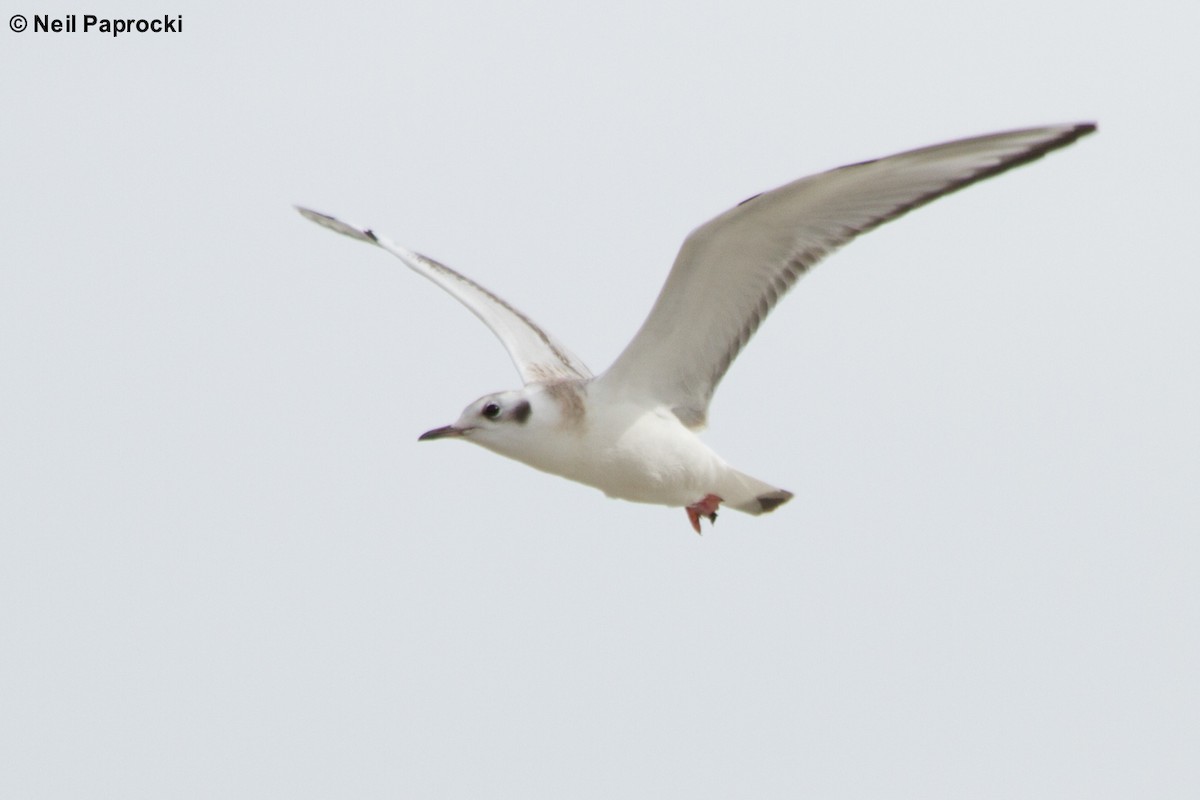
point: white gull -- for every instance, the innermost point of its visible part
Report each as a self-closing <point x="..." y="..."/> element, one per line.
<point x="631" y="431"/>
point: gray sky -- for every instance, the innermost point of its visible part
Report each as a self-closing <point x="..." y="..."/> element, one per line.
<point x="227" y="568"/>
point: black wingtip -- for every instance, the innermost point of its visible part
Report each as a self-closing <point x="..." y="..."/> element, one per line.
<point x="337" y="226"/>
<point x="1079" y="130"/>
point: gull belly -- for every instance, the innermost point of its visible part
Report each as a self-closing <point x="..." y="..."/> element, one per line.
<point x="630" y="451"/>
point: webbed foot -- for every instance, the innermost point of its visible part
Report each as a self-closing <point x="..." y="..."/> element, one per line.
<point x="706" y="507"/>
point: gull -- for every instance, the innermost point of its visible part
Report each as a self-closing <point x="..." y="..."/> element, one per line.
<point x="632" y="431"/>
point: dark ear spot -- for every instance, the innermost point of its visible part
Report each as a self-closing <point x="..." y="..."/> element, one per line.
<point x="521" y="411"/>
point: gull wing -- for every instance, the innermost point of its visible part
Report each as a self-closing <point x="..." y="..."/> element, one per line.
<point x="731" y="271"/>
<point x="537" y="355"/>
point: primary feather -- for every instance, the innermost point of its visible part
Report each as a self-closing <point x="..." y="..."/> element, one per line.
<point x="732" y="270"/>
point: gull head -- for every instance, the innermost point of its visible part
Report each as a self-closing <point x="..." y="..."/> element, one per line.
<point x="499" y="421"/>
<point x="540" y="424"/>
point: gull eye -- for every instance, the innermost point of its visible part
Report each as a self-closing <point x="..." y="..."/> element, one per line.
<point x="491" y="410"/>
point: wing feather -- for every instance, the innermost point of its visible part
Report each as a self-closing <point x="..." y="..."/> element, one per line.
<point x="731" y="271"/>
<point x="537" y="355"/>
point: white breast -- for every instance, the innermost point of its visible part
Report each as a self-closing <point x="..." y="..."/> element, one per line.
<point x="634" y="453"/>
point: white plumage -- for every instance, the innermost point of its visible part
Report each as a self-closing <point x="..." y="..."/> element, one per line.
<point x="630" y="432"/>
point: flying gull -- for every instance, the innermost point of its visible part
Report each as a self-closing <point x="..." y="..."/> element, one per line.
<point x="632" y="431"/>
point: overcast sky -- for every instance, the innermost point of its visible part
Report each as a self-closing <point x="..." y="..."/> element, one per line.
<point x="228" y="569"/>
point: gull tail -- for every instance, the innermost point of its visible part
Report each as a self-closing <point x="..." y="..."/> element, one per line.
<point x="743" y="493"/>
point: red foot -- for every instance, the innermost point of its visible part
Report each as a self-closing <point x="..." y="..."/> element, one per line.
<point x="704" y="508"/>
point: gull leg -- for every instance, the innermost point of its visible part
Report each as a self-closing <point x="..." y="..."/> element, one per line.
<point x="706" y="507"/>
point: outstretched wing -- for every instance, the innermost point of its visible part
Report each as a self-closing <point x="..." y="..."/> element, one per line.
<point x="732" y="270"/>
<point x="537" y="355"/>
